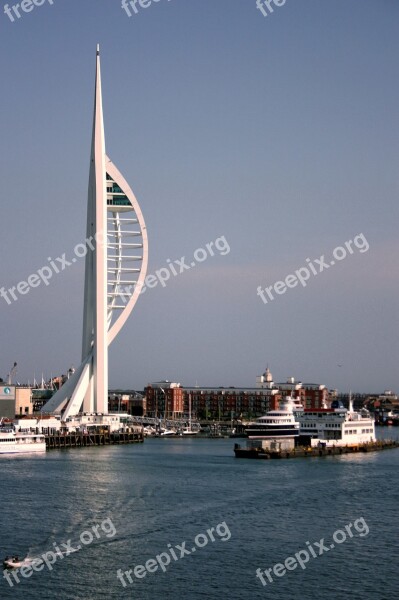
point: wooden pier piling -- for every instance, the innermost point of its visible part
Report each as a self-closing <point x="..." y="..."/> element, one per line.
<point x="82" y="440"/>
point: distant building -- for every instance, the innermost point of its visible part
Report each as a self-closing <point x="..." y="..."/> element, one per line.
<point x="15" y="401"/>
<point x="39" y="398"/>
<point x="227" y="403"/>
<point x="166" y="399"/>
<point x="265" y="380"/>
<point x="312" y="395"/>
<point x="127" y="401"/>
<point x="316" y="395"/>
<point x="7" y="401"/>
<point x="23" y="401"/>
<point x="383" y="403"/>
<point x="172" y="400"/>
<point x="169" y="399"/>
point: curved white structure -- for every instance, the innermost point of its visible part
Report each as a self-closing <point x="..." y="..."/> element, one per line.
<point x="116" y="266"/>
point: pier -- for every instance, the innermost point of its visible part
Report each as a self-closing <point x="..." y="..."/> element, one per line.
<point x="308" y="452"/>
<point x="94" y="438"/>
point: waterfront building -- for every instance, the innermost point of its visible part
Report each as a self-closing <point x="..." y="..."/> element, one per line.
<point x="173" y="400"/>
<point x="116" y="254"/>
<point x="221" y="403"/>
<point x="265" y="380"/>
<point x="129" y="401"/>
<point x="15" y="400"/>
<point x="7" y="401"/>
<point x="312" y="395"/>
<point x="232" y="402"/>
<point x="46" y="425"/>
<point x="166" y="399"/>
<point x="385" y="408"/>
<point x="23" y="401"/>
<point x="315" y="395"/>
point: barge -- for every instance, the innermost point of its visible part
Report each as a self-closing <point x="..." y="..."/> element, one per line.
<point x="309" y="451"/>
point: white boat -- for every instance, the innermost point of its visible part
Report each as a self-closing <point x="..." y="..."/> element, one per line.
<point x="12" y="562"/>
<point x="149" y="431"/>
<point x="167" y="432"/>
<point x="189" y="431"/>
<point x="337" y="426"/>
<point x="12" y="442"/>
<point x="276" y="424"/>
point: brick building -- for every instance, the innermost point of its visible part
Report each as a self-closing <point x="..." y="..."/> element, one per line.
<point x="312" y="395"/>
<point x="172" y="400"/>
<point x="165" y="399"/>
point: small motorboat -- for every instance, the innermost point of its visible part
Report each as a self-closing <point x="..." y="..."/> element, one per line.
<point x="12" y="562"/>
<point x="167" y="432"/>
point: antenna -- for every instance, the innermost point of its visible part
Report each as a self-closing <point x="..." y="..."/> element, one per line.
<point x="11" y="374"/>
<point x="350" y="401"/>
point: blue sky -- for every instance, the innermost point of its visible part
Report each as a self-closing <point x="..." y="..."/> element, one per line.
<point x="279" y="133"/>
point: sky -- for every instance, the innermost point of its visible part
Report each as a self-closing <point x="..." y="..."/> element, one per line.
<point x="276" y="135"/>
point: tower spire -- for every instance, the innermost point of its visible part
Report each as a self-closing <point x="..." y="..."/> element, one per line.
<point x="97" y="206"/>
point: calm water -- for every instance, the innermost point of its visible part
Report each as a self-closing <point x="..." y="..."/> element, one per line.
<point x="169" y="491"/>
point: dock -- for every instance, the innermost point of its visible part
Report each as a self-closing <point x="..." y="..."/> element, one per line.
<point x="308" y="452"/>
<point x="97" y="438"/>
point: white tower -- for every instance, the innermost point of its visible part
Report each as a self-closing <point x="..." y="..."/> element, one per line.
<point x="265" y="380"/>
<point x="116" y="266"/>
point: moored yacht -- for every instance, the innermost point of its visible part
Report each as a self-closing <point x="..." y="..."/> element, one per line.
<point x="167" y="432"/>
<point x="149" y="431"/>
<point x="276" y="424"/>
<point x="189" y="431"/>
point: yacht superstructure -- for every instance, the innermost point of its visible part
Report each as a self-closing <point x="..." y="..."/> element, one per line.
<point x="276" y="424"/>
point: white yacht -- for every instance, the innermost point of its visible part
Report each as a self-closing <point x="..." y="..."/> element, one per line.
<point x="337" y="426"/>
<point x="276" y="424"/>
<point x="149" y="431"/>
<point x="12" y="442"/>
<point x="167" y="432"/>
<point x="189" y="431"/>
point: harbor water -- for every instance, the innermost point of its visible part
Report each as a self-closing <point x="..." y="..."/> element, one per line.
<point x="118" y="507"/>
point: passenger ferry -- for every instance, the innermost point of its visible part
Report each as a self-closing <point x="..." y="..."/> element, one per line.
<point x="276" y="424"/>
<point x="21" y="443"/>
<point x="337" y="426"/>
